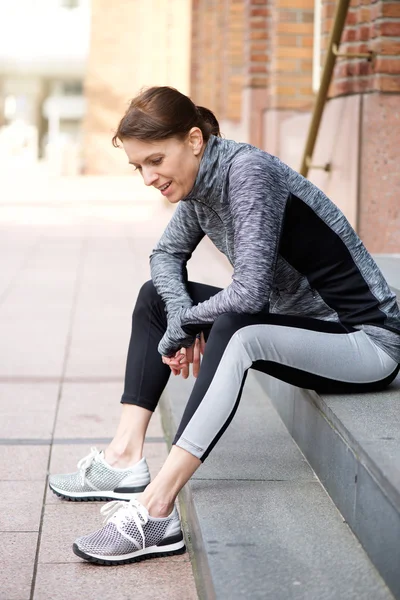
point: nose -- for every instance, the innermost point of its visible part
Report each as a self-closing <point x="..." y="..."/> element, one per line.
<point x="149" y="176"/>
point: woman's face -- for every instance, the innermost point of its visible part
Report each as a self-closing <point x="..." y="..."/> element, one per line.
<point x="169" y="165"/>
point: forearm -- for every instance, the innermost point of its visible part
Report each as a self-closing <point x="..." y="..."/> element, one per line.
<point x="169" y="276"/>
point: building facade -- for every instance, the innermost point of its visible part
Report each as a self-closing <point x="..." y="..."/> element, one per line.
<point x="257" y="65"/>
<point x="43" y="59"/>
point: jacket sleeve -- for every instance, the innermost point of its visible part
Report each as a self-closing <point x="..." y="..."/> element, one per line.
<point x="168" y="259"/>
<point x="257" y="195"/>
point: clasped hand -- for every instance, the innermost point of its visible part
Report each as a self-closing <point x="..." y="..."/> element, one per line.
<point x="180" y="362"/>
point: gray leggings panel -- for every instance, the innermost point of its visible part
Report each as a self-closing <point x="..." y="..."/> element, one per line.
<point x="350" y="358"/>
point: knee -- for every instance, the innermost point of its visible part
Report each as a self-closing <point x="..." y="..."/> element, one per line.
<point x="147" y="294"/>
<point x="226" y="325"/>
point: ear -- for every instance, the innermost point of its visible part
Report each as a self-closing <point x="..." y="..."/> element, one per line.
<point x="196" y="140"/>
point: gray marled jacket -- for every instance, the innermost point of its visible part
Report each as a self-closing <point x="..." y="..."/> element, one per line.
<point x="292" y="250"/>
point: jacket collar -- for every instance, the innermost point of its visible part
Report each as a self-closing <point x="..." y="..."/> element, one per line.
<point x="212" y="170"/>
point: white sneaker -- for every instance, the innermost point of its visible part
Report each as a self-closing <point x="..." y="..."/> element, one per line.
<point x="130" y="535"/>
<point x="97" y="480"/>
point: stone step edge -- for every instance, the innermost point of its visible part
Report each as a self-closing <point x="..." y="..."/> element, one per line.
<point x="189" y="518"/>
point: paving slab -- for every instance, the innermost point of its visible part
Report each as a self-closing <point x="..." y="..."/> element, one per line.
<point x="164" y="579"/>
<point x="17" y="557"/>
<point x="23" y="463"/>
<point x="21" y="505"/>
<point x="93" y="410"/>
<point x="30" y="347"/>
<point x="63" y="522"/>
<point x="27" y="410"/>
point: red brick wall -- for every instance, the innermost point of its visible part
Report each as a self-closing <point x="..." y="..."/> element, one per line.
<point x="370" y="25"/>
<point x="218" y="56"/>
<point x="291" y="51"/>
<point x="258" y="18"/>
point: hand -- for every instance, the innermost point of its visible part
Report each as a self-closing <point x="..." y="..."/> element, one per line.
<point x="179" y="363"/>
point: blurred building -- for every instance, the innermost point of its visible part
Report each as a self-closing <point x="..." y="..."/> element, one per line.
<point x="134" y="43"/>
<point x="257" y="64"/>
<point x="43" y="54"/>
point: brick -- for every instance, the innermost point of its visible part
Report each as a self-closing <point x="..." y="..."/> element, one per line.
<point x="387" y="65"/>
<point x="386" y="46"/>
<point x="258" y="46"/>
<point x="364" y="15"/>
<point x="306" y="65"/>
<point x="258" y="25"/>
<point x="299" y="4"/>
<point x="259" y="81"/>
<point x="299" y="79"/>
<point x="300" y="103"/>
<point x="387" y="83"/>
<point x="293" y="52"/>
<point x="390" y="9"/>
<point x="351" y="18"/>
<point x="284" y="64"/>
<point x="376" y="11"/>
<point x="391" y="28"/>
<point x="286" y="16"/>
<point x="258" y="58"/>
<point x="258" y="68"/>
<point x="258" y="35"/>
<point x="349" y="34"/>
<point x="307" y="17"/>
<point x="295" y="28"/>
<point x="259" y="12"/>
<point x="364" y="33"/>
<point x="306" y="41"/>
<point x="286" y="90"/>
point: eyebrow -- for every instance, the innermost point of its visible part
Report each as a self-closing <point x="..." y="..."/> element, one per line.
<point x="147" y="158"/>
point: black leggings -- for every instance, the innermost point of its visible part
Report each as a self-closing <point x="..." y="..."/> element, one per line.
<point x="304" y="352"/>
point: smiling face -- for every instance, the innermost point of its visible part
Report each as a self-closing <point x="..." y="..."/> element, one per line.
<point x="170" y="165"/>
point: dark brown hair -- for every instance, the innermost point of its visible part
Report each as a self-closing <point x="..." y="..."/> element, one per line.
<point x="159" y="113"/>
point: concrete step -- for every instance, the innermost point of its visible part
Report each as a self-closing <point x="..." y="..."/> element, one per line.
<point x="259" y="521"/>
<point x="353" y="444"/>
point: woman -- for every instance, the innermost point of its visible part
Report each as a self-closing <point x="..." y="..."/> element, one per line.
<point x="307" y="304"/>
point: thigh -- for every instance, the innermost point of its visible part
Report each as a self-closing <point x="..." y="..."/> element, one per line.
<point x="318" y="355"/>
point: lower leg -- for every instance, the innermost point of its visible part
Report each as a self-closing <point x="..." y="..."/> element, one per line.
<point x="160" y="495"/>
<point x="126" y="448"/>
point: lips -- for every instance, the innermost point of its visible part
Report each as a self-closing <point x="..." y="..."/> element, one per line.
<point x="164" y="187"/>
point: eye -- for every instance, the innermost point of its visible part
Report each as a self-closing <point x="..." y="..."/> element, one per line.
<point x="139" y="168"/>
<point x="157" y="161"/>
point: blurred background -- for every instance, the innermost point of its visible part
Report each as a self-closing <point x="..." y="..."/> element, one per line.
<point x="68" y="69"/>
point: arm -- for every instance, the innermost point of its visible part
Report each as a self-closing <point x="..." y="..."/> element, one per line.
<point x="258" y="195"/>
<point x="168" y="259"/>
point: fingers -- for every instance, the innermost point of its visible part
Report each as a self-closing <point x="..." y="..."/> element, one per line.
<point x="196" y="357"/>
<point x="202" y="343"/>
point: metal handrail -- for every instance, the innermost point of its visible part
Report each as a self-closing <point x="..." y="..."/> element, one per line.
<point x="320" y="100"/>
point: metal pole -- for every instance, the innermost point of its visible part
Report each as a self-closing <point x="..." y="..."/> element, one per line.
<point x="336" y="34"/>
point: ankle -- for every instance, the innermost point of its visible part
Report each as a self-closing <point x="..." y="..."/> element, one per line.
<point x="158" y="507"/>
<point x="122" y="458"/>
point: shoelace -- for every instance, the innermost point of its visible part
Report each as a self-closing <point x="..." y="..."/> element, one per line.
<point x="120" y="511"/>
<point x="85" y="463"/>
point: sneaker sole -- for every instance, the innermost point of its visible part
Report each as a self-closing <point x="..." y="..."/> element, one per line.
<point x="96" y="496"/>
<point x="147" y="553"/>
